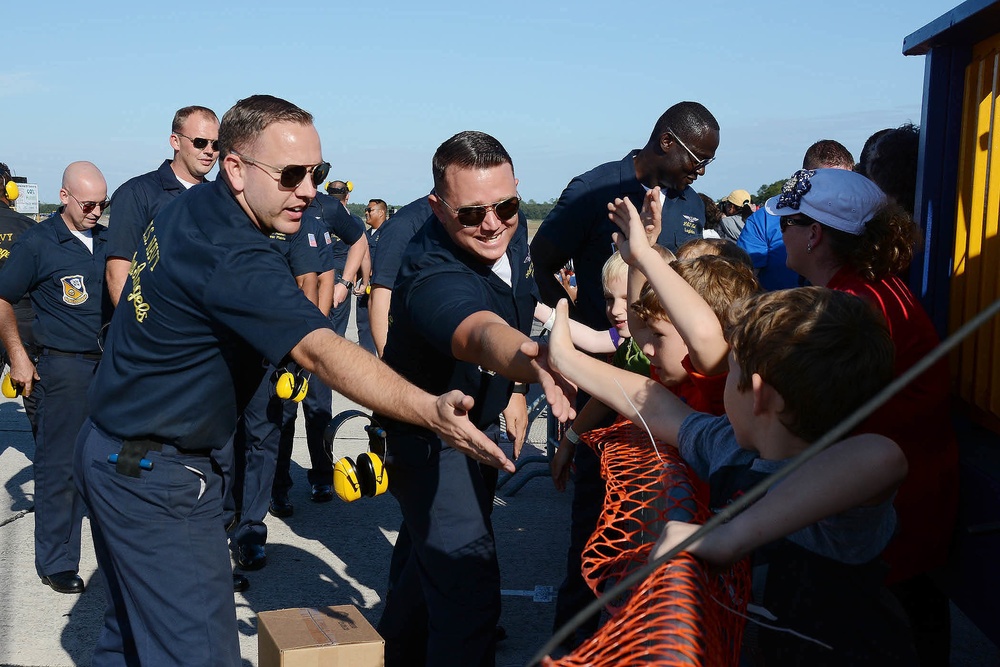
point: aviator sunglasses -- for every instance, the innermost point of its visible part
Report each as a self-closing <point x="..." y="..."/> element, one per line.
<point x="201" y="142"/>
<point x="472" y="216"/>
<point x="291" y="175"/>
<point x="89" y="206"/>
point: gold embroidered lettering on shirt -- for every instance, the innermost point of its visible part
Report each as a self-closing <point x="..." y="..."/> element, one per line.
<point x="152" y="247"/>
<point x="135" y="296"/>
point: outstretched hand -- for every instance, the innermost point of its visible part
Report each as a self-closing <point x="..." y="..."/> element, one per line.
<point x="452" y="423"/>
<point x="638" y="230"/>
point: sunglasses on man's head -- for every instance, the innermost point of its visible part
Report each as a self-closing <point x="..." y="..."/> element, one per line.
<point x="89" y="206"/>
<point x="291" y="175"/>
<point x="200" y="142"/>
<point x="472" y="216"/>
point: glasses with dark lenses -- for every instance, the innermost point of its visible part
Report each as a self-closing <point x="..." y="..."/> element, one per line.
<point x="291" y="175"/>
<point x="788" y="221"/>
<point x="201" y="142"/>
<point x="698" y="162"/>
<point x="89" y="206"/>
<point x="473" y="216"/>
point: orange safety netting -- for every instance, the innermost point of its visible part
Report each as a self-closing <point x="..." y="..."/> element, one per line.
<point x="680" y="614"/>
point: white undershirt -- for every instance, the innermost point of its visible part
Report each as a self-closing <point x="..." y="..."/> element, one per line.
<point x="502" y="269"/>
<point x="187" y="186"/>
<point x="87" y="237"/>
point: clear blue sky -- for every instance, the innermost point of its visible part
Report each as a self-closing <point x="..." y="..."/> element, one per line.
<point x="564" y="86"/>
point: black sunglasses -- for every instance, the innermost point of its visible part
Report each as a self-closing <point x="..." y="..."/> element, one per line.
<point x="787" y="221"/>
<point x="291" y="175"/>
<point x="89" y="206"/>
<point x="473" y="216"/>
<point x="201" y="142"/>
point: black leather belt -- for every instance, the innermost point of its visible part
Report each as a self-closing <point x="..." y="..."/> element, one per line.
<point x="89" y="356"/>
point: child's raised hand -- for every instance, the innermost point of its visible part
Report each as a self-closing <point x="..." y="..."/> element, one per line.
<point x="652" y="215"/>
<point x="632" y="239"/>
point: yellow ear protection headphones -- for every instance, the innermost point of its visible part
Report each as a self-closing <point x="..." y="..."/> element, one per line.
<point x="290" y="386"/>
<point x="347" y="189"/>
<point x="368" y="476"/>
<point x="11" y="191"/>
<point x="8" y="389"/>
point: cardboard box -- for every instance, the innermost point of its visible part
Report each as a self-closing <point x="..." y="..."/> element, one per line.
<point x="328" y="637"/>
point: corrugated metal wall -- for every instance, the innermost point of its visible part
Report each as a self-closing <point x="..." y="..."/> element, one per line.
<point x="976" y="270"/>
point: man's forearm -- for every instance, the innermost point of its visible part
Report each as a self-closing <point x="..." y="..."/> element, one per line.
<point x="115" y="277"/>
<point x="357" y="253"/>
<point x="350" y="370"/>
<point x="378" y="316"/>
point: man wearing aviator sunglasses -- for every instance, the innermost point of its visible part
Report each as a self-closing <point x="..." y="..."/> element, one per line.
<point x="194" y="137"/>
<point x="209" y="298"/>
<point x="461" y="310"/>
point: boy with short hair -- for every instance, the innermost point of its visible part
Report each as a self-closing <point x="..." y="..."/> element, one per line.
<point x="801" y="361"/>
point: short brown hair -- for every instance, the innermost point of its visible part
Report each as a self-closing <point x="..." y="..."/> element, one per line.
<point x="720" y="281"/>
<point x="825" y="352"/>
<point x="181" y="115"/>
<point x="244" y="122"/>
<point x="467" y="150"/>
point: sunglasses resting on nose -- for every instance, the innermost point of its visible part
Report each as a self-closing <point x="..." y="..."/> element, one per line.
<point x="89" y="206"/>
<point x="291" y="175"/>
<point x="471" y="216"/>
<point x="200" y="142"/>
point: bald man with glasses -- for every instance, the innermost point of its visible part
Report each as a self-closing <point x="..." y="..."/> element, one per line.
<point x="59" y="264"/>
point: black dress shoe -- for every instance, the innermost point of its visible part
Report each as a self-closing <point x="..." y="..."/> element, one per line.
<point x="65" y="582"/>
<point x="240" y="583"/>
<point x="281" y="507"/>
<point x="321" y="493"/>
<point x="251" y="556"/>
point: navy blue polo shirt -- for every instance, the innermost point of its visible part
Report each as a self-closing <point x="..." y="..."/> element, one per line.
<point x="394" y="235"/>
<point x="208" y="296"/>
<point x="319" y="238"/>
<point x="135" y="203"/>
<point x="12" y="225"/>
<point x="339" y="222"/>
<point x="301" y="249"/>
<point x="65" y="282"/>
<point x="439" y="286"/>
<point x="579" y="228"/>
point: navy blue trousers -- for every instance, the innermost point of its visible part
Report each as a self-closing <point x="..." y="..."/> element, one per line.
<point x="443" y="601"/>
<point x="255" y="448"/>
<point x="61" y="408"/>
<point x="365" y="339"/>
<point x="161" y="551"/>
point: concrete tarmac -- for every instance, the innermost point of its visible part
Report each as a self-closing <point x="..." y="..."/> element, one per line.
<point x="325" y="554"/>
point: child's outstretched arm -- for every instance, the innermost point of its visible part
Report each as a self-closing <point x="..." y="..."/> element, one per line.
<point x="619" y="389"/>
<point x="862" y="470"/>
<point x="591" y="340"/>
<point x="694" y="319"/>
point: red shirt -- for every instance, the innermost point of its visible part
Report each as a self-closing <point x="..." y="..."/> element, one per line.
<point x="918" y="419"/>
<point x="703" y="393"/>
